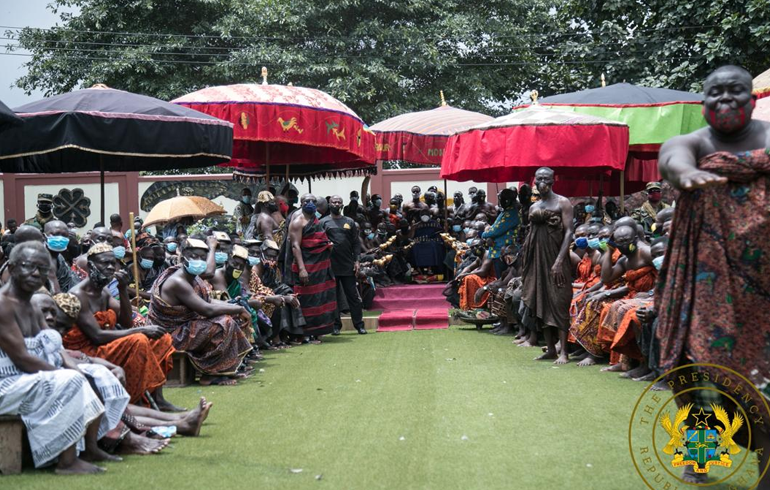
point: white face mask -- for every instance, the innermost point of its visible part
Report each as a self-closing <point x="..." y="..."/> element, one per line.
<point x="425" y="218"/>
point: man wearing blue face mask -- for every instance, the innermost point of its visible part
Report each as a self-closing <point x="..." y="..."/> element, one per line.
<point x="207" y="329"/>
<point x="57" y="241"/>
<point x="311" y="272"/>
<point x="243" y="211"/>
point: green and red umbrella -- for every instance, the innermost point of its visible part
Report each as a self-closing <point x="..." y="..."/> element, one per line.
<point x="513" y="147"/>
<point x="280" y="128"/>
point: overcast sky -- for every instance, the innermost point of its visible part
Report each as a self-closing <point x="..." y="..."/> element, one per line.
<point x="20" y="13"/>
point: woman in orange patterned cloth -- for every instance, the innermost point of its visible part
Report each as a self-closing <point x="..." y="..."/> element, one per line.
<point x="476" y="279"/>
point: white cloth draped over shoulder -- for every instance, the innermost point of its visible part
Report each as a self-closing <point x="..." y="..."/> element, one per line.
<point x="56" y="406"/>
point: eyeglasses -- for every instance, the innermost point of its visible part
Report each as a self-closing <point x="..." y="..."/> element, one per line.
<point x="29" y="268"/>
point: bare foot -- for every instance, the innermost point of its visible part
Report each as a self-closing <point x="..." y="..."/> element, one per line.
<point x="660" y="386"/>
<point x="562" y="359"/>
<point x="79" y="467"/>
<point x="166" y="406"/>
<point x="527" y="343"/>
<point x="578" y="356"/>
<point x="690" y="476"/>
<point x="95" y="454"/>
<point x="136" y="444"/>
<point x="614" y="368"/>
<point x="505" y="330"/>
<point x="636" y="372"/>
<point x="646" y="378"/>
<point x="547" y="356"/>
<point x="191" y="425"/>
<point x="588" y="360"/>
<point x="520" y="340"/>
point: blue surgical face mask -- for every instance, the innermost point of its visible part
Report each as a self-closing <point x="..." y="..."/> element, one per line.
<point x="593" y="243"/>
<point x="318" y="215"/>
<point x="119" y="252"/>
<point x="146" y="263"/>
<point x="590" y="208"/>
<point x="309" y="207"/>
<point x="220" y="258"/>
<point x="370" y="236"/>
<point x="456" y="228"/>
<point x="127" y="234"/>
<point x="195" y="267"/>
<point x="658" y="262"/>
<point x="466" y="230"/>
<point x="469" y="241"/>
<point x="254" y="261"/>
<point x="171" y="247"/>
<point x="246" y="200"/>
<point x="581" y="243"/>
<point x="57" y="243"/>
<point x="378" y="203"/>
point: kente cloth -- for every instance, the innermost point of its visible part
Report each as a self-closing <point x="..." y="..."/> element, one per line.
<point x="428" y="249"/>
<point x="546" y="302"/>
<point x="470" y="285"/>
<point x="713" y="297"/>
<point x="145" y="361"/>
<point x="55" y="406"/>
<point x="319" y="296"/>
<point x="260" y="291"/>
<point x="618" y="325"/>
<point x="578" y="301"/>
<point x="585" y="327"/>
<point x="215" y="346"/>
<point x="111" y="393"/>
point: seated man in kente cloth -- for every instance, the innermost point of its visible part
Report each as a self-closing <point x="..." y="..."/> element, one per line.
<point x="209" y="331"/>
<point x="713" y="299"/>
<point x="58" y="406"/>
<point x="104" y="329"/>
<point x="311" y="270"/>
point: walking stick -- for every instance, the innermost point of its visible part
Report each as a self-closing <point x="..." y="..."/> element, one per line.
<point x="133" y="253"/>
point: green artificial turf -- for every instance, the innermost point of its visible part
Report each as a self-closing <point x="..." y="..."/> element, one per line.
<point x="439" y="409"/>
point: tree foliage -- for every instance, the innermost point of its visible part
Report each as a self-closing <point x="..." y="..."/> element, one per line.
<point x="386" y="57"/>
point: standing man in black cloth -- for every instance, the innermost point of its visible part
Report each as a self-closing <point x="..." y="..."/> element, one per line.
<point x="343" y="233"/>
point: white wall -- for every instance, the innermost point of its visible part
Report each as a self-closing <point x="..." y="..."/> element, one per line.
<point x="92" y="191"/>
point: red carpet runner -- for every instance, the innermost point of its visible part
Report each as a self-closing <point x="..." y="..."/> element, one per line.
<point x="411" y="307"/>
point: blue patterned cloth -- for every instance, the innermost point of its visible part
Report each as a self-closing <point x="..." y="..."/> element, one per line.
<point x="503" y="231"/>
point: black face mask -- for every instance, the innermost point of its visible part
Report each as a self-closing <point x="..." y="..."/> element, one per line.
<point x="272" y="207"/>
<point x="336" y="210"/>
<point x="627" y="250"/>
<point x="44" y="208"/>
<point x="98" y="278"/>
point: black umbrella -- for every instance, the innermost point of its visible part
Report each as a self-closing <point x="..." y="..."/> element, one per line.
<point x="110" y="130"/>
<point x="7" y="118"/>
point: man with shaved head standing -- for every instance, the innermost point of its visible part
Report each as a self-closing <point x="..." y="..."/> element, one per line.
<point x="713" y="300"/>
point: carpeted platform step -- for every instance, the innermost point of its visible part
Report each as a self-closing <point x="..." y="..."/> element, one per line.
<point x="431" y="318"/>
<point x="409" y="296"/>
<point x="396" y="320"/>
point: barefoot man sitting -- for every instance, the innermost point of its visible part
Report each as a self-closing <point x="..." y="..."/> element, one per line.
<point x="207" y="330"/>
<point x="104" y="329"/>
<point x="57" y="405"/>
<point x="547" y="270"/>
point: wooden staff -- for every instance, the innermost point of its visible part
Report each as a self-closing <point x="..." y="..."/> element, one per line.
<point x="133" y="253"/>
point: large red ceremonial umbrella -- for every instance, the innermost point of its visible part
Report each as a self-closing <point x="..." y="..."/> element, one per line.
<point x="277" y="127"/>
<point x="653" y="116"/>
<point x="513" y="147"/>
<point x="420" y="137"/>
<point x="762" y="110"/>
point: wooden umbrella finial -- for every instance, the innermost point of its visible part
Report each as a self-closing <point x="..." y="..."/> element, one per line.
<point x="533" y="95"/>
<point x="604" y="82"/>
<point x="264" y="75"/>
<point x="443" y="100"/>
<point x="100" y="86"/>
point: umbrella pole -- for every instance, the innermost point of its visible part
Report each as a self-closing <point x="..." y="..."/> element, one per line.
<point x="101" y="176"/>
<point x="267" y="166"/>
<point x="622" y="192"/>
<point x="133" y="253"/>
<point x="446" y="208"/>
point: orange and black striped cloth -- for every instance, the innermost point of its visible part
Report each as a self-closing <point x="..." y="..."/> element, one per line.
<point x="319" y="296"/>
